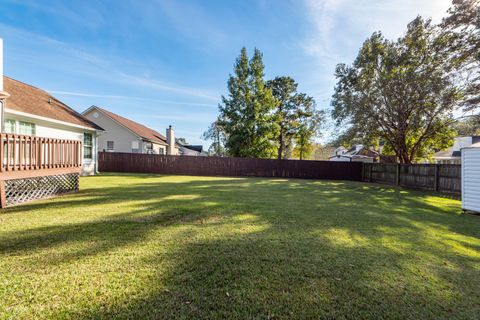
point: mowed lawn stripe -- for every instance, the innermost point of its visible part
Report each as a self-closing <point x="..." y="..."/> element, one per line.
<point x="161" y="247"/>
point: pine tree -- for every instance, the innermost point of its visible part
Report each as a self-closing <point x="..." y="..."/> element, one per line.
<point x="246" y="114"/>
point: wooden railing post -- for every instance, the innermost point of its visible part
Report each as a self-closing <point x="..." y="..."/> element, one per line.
<point x="7" y="164"/>
<point x="21" y="153"/>
<point x="30" y="153"/>
<point x="1" y="152"/>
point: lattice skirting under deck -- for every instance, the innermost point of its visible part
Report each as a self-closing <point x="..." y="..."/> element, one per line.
<point x="23" y="190"/>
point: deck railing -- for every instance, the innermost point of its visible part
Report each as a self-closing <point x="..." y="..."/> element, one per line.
<point x="28" y="153"/>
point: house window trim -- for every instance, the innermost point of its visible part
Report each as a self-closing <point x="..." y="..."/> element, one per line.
<point x="108" y="145"/>
<point x="33" y="127"/>
<point x="87" y="146"/>
<point x="18" y="127"/>
<point x="7" y="127"/>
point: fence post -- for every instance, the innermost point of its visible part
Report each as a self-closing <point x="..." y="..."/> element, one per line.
<point x="397" y="174"/>
<point x="435" y="182"/>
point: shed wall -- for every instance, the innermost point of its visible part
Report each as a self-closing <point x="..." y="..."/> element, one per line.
<point x="471" y="179"/>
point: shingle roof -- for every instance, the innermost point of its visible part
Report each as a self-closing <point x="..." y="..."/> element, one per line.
<point x="198" y="148"/>
<point x="448" y="153"/>
<point x="29" y="99"/>
<point x="137" y="128"/>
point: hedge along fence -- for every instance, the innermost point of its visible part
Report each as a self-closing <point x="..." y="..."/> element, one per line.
<point x="230" y="167"/>
<point x="444" y="178"/>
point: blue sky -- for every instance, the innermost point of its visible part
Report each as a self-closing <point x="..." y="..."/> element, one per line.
<point x="167" y="62"/>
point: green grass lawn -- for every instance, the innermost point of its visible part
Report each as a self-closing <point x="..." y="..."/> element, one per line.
<point x="165" y="247"/>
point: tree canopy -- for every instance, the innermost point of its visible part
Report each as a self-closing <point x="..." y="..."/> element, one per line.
<point x="263" y="119"/>
<point x="296" y="116"/>
<point x="400" y="91"/>
<point x="246" y="113"/>
<point x="462" y="25"/>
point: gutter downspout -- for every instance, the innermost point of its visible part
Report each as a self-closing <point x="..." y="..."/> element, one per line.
<point x="98" y="133"/>
<point x="3" y="95"/>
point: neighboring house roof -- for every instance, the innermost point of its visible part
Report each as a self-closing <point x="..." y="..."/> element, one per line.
<point x="355" y="152"/>
<point x="351" y="156"/>
<point x="448" y="153"/>
<point x="454" y="151"/>
<point x="137" y="128"/>
<point x="28" y="99"/>
<point x="197" y="148"/>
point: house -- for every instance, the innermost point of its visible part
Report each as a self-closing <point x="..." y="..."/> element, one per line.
<point x="452" y="155"/>
<point x="191" y="150"/>
<point x="34" y="112"/>
<point x="44" y="144"/>
<point x="358" y="153"/>
<point x="125" y="135"/>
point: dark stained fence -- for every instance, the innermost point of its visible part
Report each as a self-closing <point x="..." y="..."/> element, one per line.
<point x="437" y="177"/>
<point x="231" y="167"/>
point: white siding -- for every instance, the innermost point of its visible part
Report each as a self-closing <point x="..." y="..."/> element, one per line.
<point x="365" y="160"/>
<point x="341" y="159"/>
<point x="159" y="149"/>
<point x="461" y="142"/>
<point x="471" y="179"/>
<point x="122" y="138"/>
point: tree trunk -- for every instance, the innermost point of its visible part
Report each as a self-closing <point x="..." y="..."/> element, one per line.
<point x="280" y="146"/>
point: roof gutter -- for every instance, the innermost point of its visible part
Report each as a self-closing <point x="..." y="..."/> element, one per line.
<point x="33" y="116"/>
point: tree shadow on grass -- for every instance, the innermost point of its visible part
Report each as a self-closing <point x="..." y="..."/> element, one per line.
<point x="310" y="249"/>
<point x="263" y="275"/>
<point x="152" y="203"/>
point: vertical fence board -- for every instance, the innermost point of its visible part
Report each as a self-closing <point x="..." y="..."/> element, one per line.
<point x="234" y="167"/>
<point x="436" y="177"/>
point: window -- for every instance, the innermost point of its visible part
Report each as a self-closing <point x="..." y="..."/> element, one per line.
<point x="135" y="147"/>
<point x="148" y="145"/>
<point x="10" y="126"/>
<point x="110" y="145"/>
<point x="27" y="128"/>
<point x="87" y="145"/>
<point x="161" y="151"/>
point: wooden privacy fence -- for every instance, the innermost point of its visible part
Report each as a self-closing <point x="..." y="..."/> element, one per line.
<point x="436" y="177"/>
<point x="233" y="167"/>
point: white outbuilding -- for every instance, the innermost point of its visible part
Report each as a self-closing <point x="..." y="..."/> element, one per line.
<point x="471" y="178"/>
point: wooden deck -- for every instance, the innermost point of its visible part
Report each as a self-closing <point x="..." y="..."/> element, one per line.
<point x="29" y="157"/>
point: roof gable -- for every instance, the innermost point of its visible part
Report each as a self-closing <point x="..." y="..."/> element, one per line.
<point x="28" y="99"/>
<point x="135" y="127"/>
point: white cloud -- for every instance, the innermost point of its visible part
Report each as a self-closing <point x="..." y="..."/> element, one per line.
<point x="165" y="86"/>
<point x="193" y="22"/>
<point x="81" y="61"/>
<point x="84" y="14"/>
<point x="185" y="119"/>
<point x="328" y="40"/>
<point x="322" y="16"/>
<point x="122" y="97"/>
